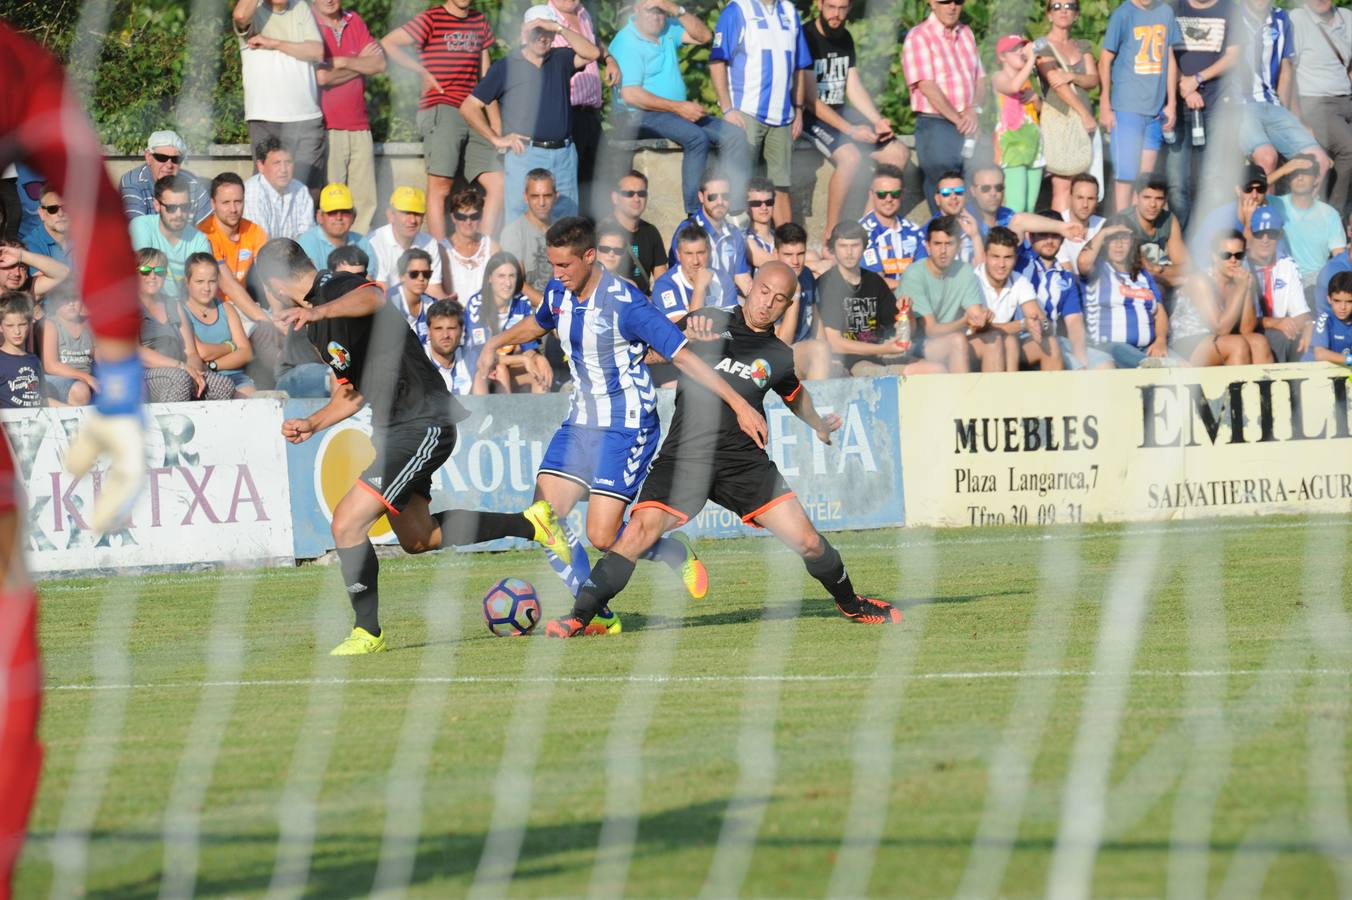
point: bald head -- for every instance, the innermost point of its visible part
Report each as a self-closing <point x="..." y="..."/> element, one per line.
<point x="782" y="275"/>
<point x="771" y="293"/>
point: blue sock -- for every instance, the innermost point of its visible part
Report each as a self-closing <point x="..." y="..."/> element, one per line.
<point x="575" y="575"/>
<point x="667" y="550"/>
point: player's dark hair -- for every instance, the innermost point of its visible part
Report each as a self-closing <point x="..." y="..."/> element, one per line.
<point x="1000" y="236"/>
<point x="408" y="256"/>
<point x="692" y="233"/>
<point x="468" y="197"/>
<point x="945" y="224"/>
<point x="281" y="258"/>
<point x="179" y="184"/>
<point x="19" y="302"/>
<point x="848" y="230"/>
<point x="348" y="255"/>
<point x="790" y="233"/>
<point x="495" y="262"/>
<point x="269" y="144"/>
<point x="710" y="176"/>
<point x="1084" y="178"/>
<point x="197" y="259"/>
<point x="448" y="309"/>
<point x="223" y="179"/>
<point x="950" y="175"/>
<point x="886" y="170"/>
<point x="573" y="232"/>
<point x="760" y="184"/>
<point x="1340" y="284"/>
<point x="538" y="174"/>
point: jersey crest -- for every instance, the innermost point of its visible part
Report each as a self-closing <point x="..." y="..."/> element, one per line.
<point x="339" y="355"/>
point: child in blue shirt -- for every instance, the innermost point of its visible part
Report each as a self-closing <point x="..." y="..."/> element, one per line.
<point x="1332" y="337"/>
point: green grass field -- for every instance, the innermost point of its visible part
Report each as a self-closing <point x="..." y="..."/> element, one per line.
<point x="753" y="743"/>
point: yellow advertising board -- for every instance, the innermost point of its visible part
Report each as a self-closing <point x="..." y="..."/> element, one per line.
<point x="1129" y="445"/>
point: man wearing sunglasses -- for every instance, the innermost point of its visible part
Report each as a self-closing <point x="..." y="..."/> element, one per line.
<point x="986" y="204"/>
<point x="628" y="203"/>
<point x="532" y="87"/>
<point x="165" y="154"/>
<point x="950" y="198"/>
<point x="652" y="100"/>
<point x="524" y="236"/>
<point x="947" y="83"/>
<point x="1283" y="313"/>
<point x="50" y="239"/>
<point x="1251" y="194"/>
<point x="727" y="251"/>
<point x="894" y="242"/>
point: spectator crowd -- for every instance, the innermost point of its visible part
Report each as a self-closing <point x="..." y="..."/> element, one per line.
<point x="1174" y="191"/>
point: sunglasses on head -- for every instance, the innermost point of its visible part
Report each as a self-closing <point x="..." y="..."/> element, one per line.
<point x="53" y="209"/>
<point x="952" y="191"/>
<point x="884" y="195"/>
<point x="467" y="217"/>
<point x="166" y="158"/>
<point x="1059" y="7"/>
<point x="173" y="208"/>
<point x="609" y="249"/>
<point x="151" y="270"/>
<point x="714" y="198"/>
<point x="627" y="194"/>
<point x="987" y="188"/>
<point x="1230" y="254"/>
<point x="419" y="273"/>
<point x="759" y="204"/>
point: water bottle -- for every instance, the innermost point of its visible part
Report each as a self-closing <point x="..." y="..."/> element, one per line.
<point x="1170" y="136"/>
<point x="1198" y="129"/>
<point x="969" y="148"/>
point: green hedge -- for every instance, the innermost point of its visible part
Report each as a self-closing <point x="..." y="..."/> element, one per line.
<point x="149" y="74"/>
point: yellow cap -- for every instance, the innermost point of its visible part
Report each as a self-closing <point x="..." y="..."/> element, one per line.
<point x="409" y="199"/>
<point x="335" y="197"/>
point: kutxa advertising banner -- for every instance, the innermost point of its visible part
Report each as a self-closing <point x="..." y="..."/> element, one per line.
<point x="216" y="489"/>
<point x="1042" y="448"/>
<point x="854" y="483"/>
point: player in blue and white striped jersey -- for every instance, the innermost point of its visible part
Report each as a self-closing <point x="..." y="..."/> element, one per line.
<point x="894" y="242"/>
<point x="1058" y="291"/>
<point x="604" y="448"/>
<point x="1123" y="307"/>
<point x="727" y="243"/>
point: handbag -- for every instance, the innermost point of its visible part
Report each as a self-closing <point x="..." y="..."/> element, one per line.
<point x="1066" y="146"/>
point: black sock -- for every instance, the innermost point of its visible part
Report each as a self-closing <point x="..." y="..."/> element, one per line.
<point x="361" y="569"/>
<point x="829" y="569"/>
<point x="469" y="526"/>
<point x="608" y="578"/>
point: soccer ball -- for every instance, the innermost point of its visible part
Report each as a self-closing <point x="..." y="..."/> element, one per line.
<point x="511" y="607"/>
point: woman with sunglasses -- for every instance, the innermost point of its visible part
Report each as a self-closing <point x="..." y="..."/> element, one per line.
<point x="468" y="248"/>
<point x="497" y="306"/>
<point x="174" y="371"/>
<point x="1214" y="316"/>
<point x="1067" y="72"/>
<point x="23" y="270"/>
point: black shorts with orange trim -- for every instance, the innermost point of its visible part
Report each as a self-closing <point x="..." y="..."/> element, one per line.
<point x="407" y="456"/>
<point x="747" y="484"/>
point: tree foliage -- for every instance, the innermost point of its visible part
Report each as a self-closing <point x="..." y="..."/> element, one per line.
<point x="159" y="64"/>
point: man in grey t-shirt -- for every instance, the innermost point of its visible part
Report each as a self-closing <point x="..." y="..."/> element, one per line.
<point x="946" y="299"/>
<point x="1323" y="54"/>
<point x="524" y="236"/>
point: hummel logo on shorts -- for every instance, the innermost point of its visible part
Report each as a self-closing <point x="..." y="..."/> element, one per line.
<point x="356" y="588"/>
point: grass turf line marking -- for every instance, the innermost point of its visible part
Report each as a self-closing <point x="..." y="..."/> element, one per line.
<point x="470" y="680"/>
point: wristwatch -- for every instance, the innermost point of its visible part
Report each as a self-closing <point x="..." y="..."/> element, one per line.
<point x="212" y="365"/>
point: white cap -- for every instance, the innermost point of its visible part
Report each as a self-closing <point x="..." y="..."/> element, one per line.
<point x="536" y="13"/>
<point x="167" y="139"/>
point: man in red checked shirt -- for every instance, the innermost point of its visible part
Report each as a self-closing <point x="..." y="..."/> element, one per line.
<point x="44" y="126"/>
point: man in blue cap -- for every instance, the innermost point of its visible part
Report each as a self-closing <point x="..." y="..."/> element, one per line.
<point x="1283" y="311"/>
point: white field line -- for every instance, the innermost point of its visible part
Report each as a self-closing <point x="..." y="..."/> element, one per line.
<point x="757" y="762"/>
<point x="1084" y="806"/>
<point x="224" y="652"/>
<point x="406" y="782"/>
<point x="874" y="735"/>
<point x="727" y="678"/>
<point x="1058" y="533"/>
<point x="1011" y="760"/>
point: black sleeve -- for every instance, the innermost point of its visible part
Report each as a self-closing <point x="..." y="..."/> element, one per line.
<point x="788" y="384"/>
<point x="341" y="344"/>
<point x="886" y="304"/>
<point x="338" y="284"/>
<point x="830" y="300"/>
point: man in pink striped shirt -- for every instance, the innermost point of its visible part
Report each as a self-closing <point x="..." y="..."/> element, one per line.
<point x="947" y="82"/>
<point x="586" y="97"/>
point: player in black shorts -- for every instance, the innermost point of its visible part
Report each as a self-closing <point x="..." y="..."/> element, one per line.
<point x="377" y="359"/>
<point x="707" y="457"/>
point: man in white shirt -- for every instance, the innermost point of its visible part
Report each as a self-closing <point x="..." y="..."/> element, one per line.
<point x="445" y="328"/>
<point x="1014" y="306"/>
<point x="1283" y="312"/>
<point x="408" y="207"/>
<point x="279" y="45"/>
<point x="1084" y="195"/>
<point x="273" y="199"/>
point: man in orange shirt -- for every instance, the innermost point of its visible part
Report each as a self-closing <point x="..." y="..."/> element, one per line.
<point x="234" y="239"/>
